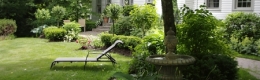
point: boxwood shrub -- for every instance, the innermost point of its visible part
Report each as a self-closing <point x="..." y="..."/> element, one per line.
<point x="129" y="41"/>
<point x="90" y="25"/>
<point x="54" y="33"/>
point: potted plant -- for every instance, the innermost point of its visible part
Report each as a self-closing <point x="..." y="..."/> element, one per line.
<point x="105" y="15"/>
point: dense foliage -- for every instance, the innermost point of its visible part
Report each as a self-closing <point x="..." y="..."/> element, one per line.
<point x="212" y="67"/>
<point x="129" y="41"/>
<point x="23" y="12"/>
<point x="123" y="26"/>
<point x="54" y="33"/>
<point x="7" y="27"/>
<point x="72" y="29"/>
<point x="243" y="32"/>
<point x="201" y="35"/>
<point x="144" y="17"/>
<point x="58" y="12"/>
<point x="114" y="12"/>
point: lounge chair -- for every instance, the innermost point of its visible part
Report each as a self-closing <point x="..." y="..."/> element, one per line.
<point x="87" y="59"/>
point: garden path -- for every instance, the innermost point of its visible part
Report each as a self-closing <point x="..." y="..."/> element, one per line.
<point x="252" y="65"/>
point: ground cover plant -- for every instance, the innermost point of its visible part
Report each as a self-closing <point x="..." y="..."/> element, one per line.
<point x="30" y="59"/>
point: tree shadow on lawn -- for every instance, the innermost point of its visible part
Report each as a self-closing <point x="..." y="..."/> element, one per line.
<point x="91" y="67"/>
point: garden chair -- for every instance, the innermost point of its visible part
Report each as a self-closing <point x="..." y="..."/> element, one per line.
<point x="87" y="59"/>
<point x="82" y="24"/>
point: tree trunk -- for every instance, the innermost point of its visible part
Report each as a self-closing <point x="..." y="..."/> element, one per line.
<point x="168" y="17"/>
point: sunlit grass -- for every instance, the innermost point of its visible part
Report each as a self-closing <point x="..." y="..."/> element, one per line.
<point x="30" y="59"/>
<point x="245" y="75"/>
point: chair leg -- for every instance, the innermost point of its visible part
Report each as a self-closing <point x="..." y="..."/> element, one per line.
<point x="85" y="65"/>
<point x="52" y="64"/>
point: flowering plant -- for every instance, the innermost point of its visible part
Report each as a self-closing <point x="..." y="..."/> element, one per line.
<point x="84" y="42"/>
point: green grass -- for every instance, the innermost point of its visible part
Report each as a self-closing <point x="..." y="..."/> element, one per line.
<point x="30" y="59"/>
<point x="244" y="75"/>
<point x="248" y="56"/>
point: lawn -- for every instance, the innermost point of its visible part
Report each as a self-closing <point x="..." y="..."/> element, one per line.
<point x="30" y="59"/>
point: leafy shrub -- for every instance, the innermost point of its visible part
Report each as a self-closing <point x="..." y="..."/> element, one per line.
<point x="106" y="38"/>
<point x="144" y="17"/>
<point x="97" y="43"/>
<point x="7" y="27"/>
<point x="123" y="26"/>
<point x="127" y="9"/>
<point x="42" y="15"/>
<point x="38" y="30"/>
<point x="73" y="29"/>
<point x="242" y="31"/>
<point x="199" y="34"/>
<point x="58" y="12"/>
<point x="54" y="33"/>
<point x="247" y="46"/>
<point x="114" y="12"/>
<point x="138" y="64"/>
<point x="129" y="41"/>
<point x="155" y="43"/>
<point x="212" y="67"/>
<point x="90" y="25"/>
<point x="243" y="24"/>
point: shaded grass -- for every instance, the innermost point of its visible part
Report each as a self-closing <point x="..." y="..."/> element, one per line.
<point x="244" y="75"/>
<point x="30" y="59"/>
<point x="248" y="56"/>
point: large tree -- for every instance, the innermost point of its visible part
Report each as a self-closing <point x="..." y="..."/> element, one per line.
<point x="168" y="17"/>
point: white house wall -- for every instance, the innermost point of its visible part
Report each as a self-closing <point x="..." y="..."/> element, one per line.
<point x="257" y="6"/>
<point x="226" y="7"/>
<point x="139" y="2"/>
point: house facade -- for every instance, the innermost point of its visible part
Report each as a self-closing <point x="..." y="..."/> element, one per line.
<point x="221" y="8"/>
<point x="99" y="5"/>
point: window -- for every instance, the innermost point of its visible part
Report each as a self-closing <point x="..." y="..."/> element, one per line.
<point x="243" y="3"/>
<point x="211" y="4"/>
<point x="99" y="6"/>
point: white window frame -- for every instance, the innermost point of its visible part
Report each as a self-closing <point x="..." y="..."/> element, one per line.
<point x="243" y="8"/>
<point x="212" y="3"/>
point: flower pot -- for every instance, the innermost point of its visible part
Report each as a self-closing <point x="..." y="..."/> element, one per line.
<point x="105" y="19"/>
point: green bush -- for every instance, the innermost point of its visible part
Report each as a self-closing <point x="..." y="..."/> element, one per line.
<point x="243" y="31"/>
<point x="73" y="30"/>
<point x="212" y="67"/>
<point x="138" y="64"/>
<point x="106" y="38"/>
<point x="144" y="18"/>
<point x="129" y="41"/>
<point x="199" y="35"/>
<point x="155" y="43"/>
<point x="90" y="25"/>
<point x="58" y="12"/>
<point x="127" y="9"/>
<point x="123" y="26"/>
<point x="54" y="33"/>
<point x="243" y="25"/>
<point x="97" y="43"/>
<point x="7" y="27"/>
